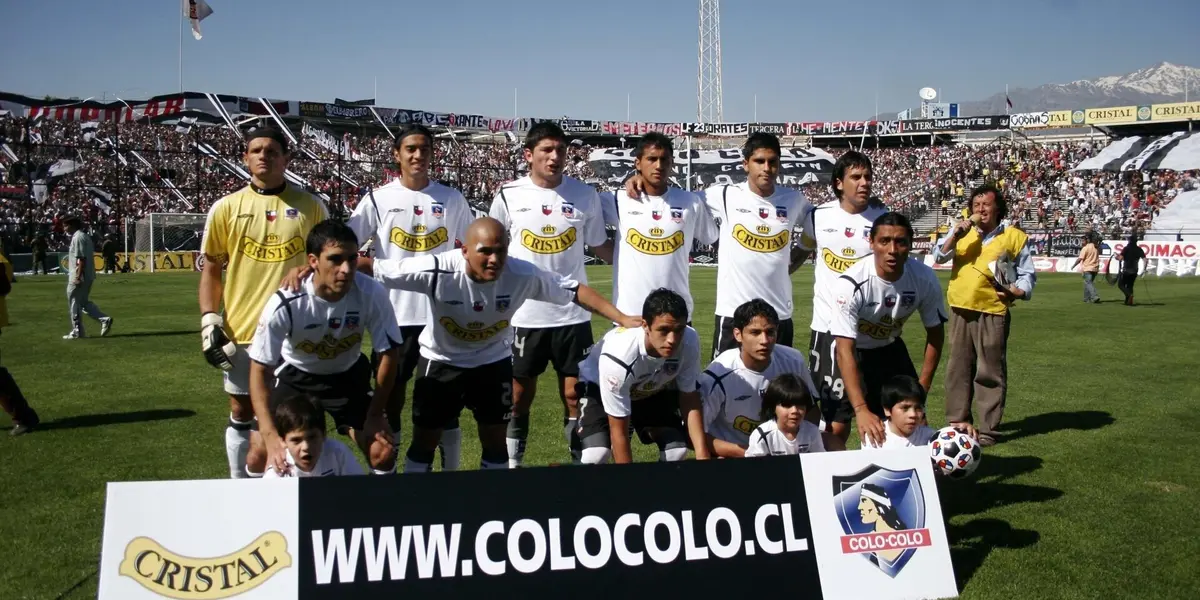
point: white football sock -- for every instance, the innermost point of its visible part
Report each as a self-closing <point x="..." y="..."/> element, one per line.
<point x="237" y="446"/>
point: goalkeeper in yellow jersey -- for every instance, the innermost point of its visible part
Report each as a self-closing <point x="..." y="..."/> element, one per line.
<point x="255" y="235"/>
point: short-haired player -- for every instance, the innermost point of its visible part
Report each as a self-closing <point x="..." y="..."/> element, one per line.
<point x="310" y="453"/>
<point x="783" y="430"/>
<point x="645" y="377"/>
<point x="872" y="301"/>
<point x="466" y="350"/>
<point x="734" y="382"/>
<point x="550" y="218"/>
<point x="252" y="238"/>
<point x="317" y="334"/>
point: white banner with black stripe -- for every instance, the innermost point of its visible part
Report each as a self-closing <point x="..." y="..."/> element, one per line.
<point x="1179" y="151"/>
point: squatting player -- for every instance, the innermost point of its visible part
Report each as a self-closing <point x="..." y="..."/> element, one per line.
<point x="317" y="334"/>
<point x="756" y="220"/>
<point x="466" y="351"/>
<point x="413" y="216"/>
<point x="655" y="235"/>
<point x="733" y="384"/>
<point x="550" y="218"/>
<point x="838" y="232"/>
<point x="256" y="235"/>
<point x="872" y="300"/>
<point x="646" y="375"/>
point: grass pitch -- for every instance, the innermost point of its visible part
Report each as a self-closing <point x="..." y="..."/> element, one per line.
<point x="1092" y="494"/>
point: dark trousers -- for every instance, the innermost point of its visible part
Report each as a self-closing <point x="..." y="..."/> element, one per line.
<point x="39" y="262"/>
<point x="1125" y="284"/>
<point x="977" y="370"/>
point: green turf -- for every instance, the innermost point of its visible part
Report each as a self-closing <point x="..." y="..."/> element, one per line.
<point x="1092" y="495"/>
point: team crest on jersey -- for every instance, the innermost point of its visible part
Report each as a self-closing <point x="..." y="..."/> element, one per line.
<point x="763" y="212"/>
<point x="889" y="301"/>
<point x="335" y="323"/>
<point x="907" y="299"/>
<point x="418" y="210"/>
<point x="547" y="209"/>
<point x="568" y="210"/>
<point x="677" y="215"/>
<point x="477" y="306"/>
<point x="849" y="232"/>
<point x="781" y="213"/>
<point x="351" y="321"/>
<point x="419" y="228"/>
<point x="503" y="302"/>
<point x="271" y="214"/>
<point x="882" y="513"/>
<point x="437" y="209"/>
<point x="657" y="214"/>
<point x="867" y="233"/>
<point x="292" y="213"/>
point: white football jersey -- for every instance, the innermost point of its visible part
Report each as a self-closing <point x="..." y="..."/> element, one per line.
<point x="469" y="323"/>
<point x="406" y="223"/>
<point x="768" y="440"/>
<point x="322" y="337"/>
<point x="625" y="373"/>
<point x="733" y="392"/>
<point x="840" y="239"/>
<point x="336" y="459"/>
<point x="873" y="310"/>
<point x="549" y="228"/>
<point x="920" y="437"/>
<point x="755" y="245"/>
<point x="654" y="243"/>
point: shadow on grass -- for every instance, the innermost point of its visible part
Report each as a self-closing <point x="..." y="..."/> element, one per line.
<point x="1082" y="420"/>
<point x="78" y="584"/>
<point x="970" y="544"/>
<point x="988" y="488"/>
<point x="99" y="420"/>
<point x="154" y="333"/>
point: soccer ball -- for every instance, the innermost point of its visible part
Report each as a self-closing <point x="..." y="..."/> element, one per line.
<point x="955" y="454"/>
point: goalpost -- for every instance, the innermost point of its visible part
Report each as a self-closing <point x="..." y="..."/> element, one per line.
<point x="168" y="232"/>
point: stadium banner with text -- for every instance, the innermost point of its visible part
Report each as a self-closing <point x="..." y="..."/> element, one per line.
<point x="797" y="166"/>
<point x="1175" y="111"/>
<point x="1060" y="118"/>
<point x="1111" y="116"/>
<point x="1026" y="120"/>
<point x="1158" y="266"/>
<point x="622" y="128"/>
<point x="830" y="127"/>
<point x="717" y="129"/>
<point x="776" y="129"/>
<point x="677" y="535"/>
<point x="989" y="123"/>
<point x="140" y="261"/>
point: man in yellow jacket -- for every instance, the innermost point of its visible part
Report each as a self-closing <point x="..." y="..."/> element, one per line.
<point x="11" y="400"/>
<point x="992" y="269"/>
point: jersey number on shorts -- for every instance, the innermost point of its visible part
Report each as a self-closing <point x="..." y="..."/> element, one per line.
<point x="519" y="344"/>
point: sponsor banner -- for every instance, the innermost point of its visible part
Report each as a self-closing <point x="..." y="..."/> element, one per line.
<point x="140" y="261"/>
<point x="1023" y="120"/>
<point x="1061" y="118"/>
<point x="680" y="535"/>
<point x="956" y="124"/>
<point x="620" y="128"/>
<point x="797" y="166"/>
<point x="579" y="126"/>
<point x="877" y="524"/>
<point x="1175" y="250"/>
<point x="718" y="129"/>
<point x="1065" y="264"/>
<point x="1110" y="116"/>
<point x="776" y="129"/>
<point x="1176" y="111"/>
<point x="829" y="127"/>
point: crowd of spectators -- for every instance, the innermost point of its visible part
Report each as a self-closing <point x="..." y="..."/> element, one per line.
<point x="124" y="172"/>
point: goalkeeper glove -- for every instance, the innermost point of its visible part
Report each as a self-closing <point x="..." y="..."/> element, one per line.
<point x="218" y="348"/>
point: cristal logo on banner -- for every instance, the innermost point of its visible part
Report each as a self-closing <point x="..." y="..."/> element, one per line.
<point x="882" y="513"/>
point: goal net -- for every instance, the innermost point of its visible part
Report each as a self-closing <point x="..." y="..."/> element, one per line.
<point x="161" y="236"/>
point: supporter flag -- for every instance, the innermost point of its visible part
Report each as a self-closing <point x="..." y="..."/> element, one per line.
<point x="185" y="125"/>
<point x="101" y="198"/>
<point x="89" y="130"/>
<point x="1008" y="101"/>
<point x="196" y="11"/>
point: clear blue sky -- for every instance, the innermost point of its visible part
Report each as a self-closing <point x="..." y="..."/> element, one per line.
<point x="806" y="60"/>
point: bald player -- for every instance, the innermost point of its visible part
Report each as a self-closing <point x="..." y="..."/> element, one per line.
<point x="466" y="349"/>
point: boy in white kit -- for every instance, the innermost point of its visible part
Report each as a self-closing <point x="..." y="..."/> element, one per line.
<point x="904" y="404"/>
<point x="309" y="452"/>
<point x="784" y="431"/>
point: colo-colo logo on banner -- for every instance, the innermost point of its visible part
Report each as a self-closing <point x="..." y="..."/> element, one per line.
<point x="882" y="513"/>
<point x="440" y="550"/>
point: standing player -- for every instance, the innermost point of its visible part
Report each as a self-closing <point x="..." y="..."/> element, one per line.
<point x="733" y="384"/>
<point x="317" y="334"/>
<point x="754" y="255"/>
<point x="838" y="231"/>
<point x="549" y="218"/>
<point x="872" y="300"/>
<point x="24" y="418"/>
<point x="81" y="272"/>
<point x="646" y="375"/>
<point x="413" y="216"/>
<point x="655" y="235"/>
<point x="466" y="351"/>
<point x="256" y="235"/>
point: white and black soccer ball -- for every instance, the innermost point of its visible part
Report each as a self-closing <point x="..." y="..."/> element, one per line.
<point x="955" y="454"/>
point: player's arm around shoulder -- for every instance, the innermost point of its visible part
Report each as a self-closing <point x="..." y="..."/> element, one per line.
<point x="690" y="405"/>
<point x="414" y="273"/>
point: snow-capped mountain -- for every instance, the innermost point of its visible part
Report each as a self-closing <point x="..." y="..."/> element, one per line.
<point x="1163" y="82"/>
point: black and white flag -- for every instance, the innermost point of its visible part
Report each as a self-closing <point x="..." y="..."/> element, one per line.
<point x="185" y="125"/>
<point x="89" y="130"/>
<point x="1179" y="151"/>
<point x="102" y="199"/>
